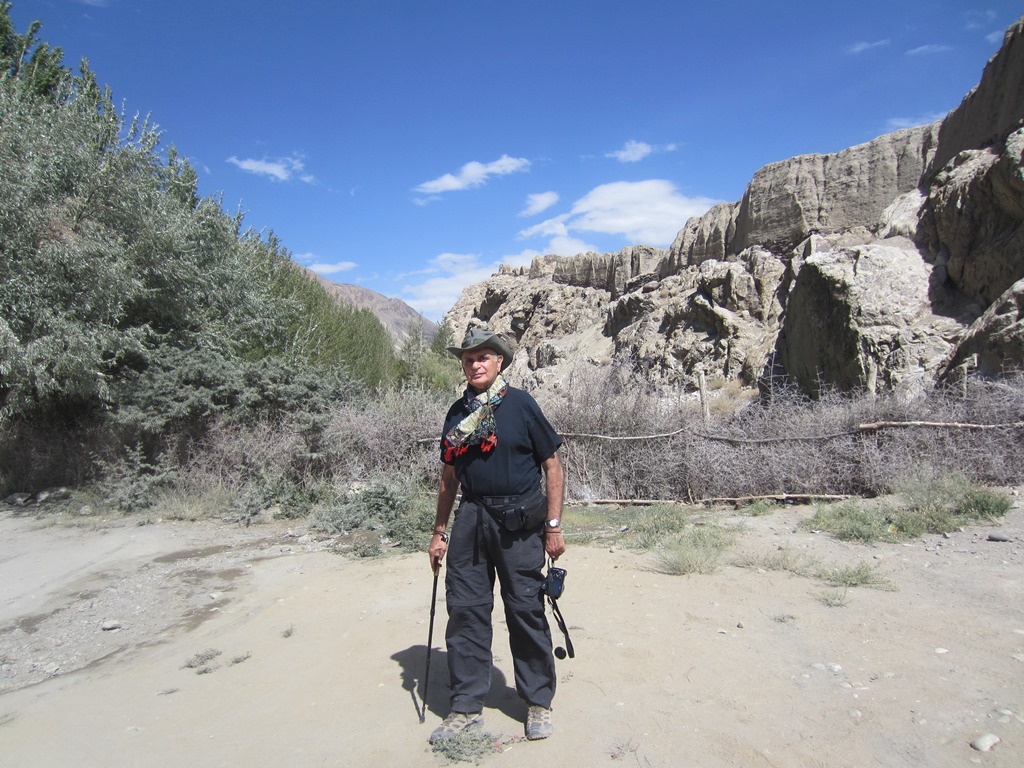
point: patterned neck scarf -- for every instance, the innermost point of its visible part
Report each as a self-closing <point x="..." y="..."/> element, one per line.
<point x="478" y="427"/>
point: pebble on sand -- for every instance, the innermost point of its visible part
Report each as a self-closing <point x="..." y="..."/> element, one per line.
<point x="985" y="742"/>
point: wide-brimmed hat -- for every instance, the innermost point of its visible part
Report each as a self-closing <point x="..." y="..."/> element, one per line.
<point x="478" y="338"/>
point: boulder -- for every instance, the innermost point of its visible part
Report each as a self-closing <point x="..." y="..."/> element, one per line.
<point x="863" y="318"/>
<point x="994" y="343"/>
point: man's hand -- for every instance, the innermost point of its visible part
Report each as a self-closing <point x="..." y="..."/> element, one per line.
<point x="438" y="548"/>
<point x="554" y="544"/>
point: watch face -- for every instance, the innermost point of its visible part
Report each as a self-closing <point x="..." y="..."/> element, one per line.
<point x="553" y="523"/>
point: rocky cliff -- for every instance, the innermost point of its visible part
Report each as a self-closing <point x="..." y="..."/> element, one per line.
<point x="892" y="264"/>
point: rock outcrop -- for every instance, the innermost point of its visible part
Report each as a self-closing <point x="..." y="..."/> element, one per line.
<point x="891" y="264"/>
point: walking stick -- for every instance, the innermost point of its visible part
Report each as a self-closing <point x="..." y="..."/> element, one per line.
<point x="430" y="643"/>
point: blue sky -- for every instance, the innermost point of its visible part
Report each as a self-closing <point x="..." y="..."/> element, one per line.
<point x="412" y="146"/>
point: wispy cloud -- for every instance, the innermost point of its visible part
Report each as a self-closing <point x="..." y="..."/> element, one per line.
<point x="322" y="268"/>
<point x="896" y="123"/>
<point x="862" y="46"/>
<point x="95" y="3"/>
<point x="473" y="174"/>
<point x="632" y="152"/>
<point x="928" y="50"/>
<point x="276" y="169"/>
<point x="635" y="151"/>
<point x="445" y="277"/>
<point x="649" y="212"/>
<point x="979" y="19"/>
<point x="539" y="202"/>
<point x="317" y="264"/>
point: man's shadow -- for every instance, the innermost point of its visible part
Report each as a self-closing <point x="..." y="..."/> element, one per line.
<point x="413" y="661"/>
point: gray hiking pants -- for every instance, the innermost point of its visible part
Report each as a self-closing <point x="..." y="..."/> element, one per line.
<point x="480" y="549"/>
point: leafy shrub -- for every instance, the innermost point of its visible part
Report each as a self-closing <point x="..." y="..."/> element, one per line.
<point x="849" y="521"/>
<point x="402" y="516"/>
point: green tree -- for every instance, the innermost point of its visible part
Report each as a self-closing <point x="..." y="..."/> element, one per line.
<point x="24" y="58"/>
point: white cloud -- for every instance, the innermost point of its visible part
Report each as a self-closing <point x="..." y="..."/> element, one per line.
<point x="564" y="245"/>
<point x="861" y="46"/>
<point x="632" y="152"/>
<point x="927" y="50"/>
<point x="314" y="262"/>
<point x="322" y="268"/>
<point x="978" y="19"/>
<point x="635" y="151"/>
<point x="554" y="226"/>
<point x="277" y="169"/>
<point x="538" y="202"/>
<point x="448" y="274"/>
<point x="896" y="123"/>
<point x="649" y="212"/>
<point x="473" y="174"/>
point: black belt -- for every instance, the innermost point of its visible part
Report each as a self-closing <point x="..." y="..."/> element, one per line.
<point x="497" y="502"/>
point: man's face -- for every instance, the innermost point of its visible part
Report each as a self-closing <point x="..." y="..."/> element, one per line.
<point x="481" y="367"/>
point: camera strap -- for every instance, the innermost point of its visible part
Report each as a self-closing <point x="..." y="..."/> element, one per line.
<point x="561" y="625"/>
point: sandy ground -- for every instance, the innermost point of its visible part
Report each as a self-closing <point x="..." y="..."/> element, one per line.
<point x="317" y="659"/>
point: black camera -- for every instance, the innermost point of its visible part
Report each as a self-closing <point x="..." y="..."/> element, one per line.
<point x="554" y="582"/>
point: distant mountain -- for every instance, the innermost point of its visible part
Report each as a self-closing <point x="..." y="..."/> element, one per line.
<point x="397" y="316"/>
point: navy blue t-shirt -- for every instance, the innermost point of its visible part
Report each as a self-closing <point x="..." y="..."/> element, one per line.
<point x="525" y="441"/>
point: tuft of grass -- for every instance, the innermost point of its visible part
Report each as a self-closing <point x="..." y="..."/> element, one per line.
<point x="697" y="550"/>
<point x="926" y="502"/>
<point x="191" y="505"/>
<point x="650" y="527"/>
<point x="860" y="575"/>
<point x="781" y="559"/>
<point x="848" y="520"/>
<point x="759" y="508"/>
<point x="834" y="598"/>
<point x="467" y="747"/>
<point x="200" y="662"/>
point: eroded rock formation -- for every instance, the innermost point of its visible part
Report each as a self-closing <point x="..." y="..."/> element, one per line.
<point x="891" y="264"/>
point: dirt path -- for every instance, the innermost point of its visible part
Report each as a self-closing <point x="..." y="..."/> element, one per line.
<point x="315" y="659"/>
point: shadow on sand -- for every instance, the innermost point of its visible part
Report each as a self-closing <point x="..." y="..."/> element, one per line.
<point x="413" y="661"/>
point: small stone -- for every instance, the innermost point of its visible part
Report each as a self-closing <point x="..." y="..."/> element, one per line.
<point x="985" y="742"/>
<point x="110" y="626"/>
<point x="942" y="650"/>
<point x="998" y="537"/>
<point x="739" y="625"/>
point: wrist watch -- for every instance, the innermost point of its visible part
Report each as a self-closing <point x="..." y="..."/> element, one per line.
<point x="554" y="523"/>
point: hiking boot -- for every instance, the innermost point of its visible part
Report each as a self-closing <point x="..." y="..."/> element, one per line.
<point x="538" y="723"/>
<point x="454" y="724"/>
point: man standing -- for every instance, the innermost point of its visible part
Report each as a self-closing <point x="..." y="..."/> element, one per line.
<point x="495" y="445"/>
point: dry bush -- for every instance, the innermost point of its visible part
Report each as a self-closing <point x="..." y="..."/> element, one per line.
<point x="607" y="404"/>
<point x="397" y="433"/>
<point x="785" y="444"/>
